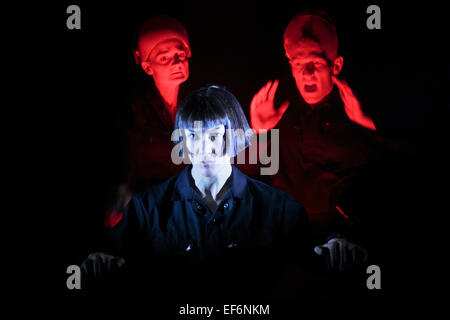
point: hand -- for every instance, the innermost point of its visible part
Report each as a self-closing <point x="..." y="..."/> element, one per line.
<point x="263" y="114"/>
<point x="123" y="197"/>
<point x="114" y="213"/>
<point x="98" y="265"/>
<point x="341" y="254"/>
<point x="352" y="105"/>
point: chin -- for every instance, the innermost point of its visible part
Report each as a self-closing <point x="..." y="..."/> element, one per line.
<point x="208" y="171"/>
<point x="179" y="78"/>
<point x="205" y="170"/>
<point x="312" y="99"/>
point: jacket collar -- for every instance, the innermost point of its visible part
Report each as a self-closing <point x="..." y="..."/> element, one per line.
<point x="183" y="190"/>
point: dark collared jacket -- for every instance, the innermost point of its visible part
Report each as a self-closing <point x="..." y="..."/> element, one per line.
<point x="169" y="227"/>
<point x="325" y="157"/>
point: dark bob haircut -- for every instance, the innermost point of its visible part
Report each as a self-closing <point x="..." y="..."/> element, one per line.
<point x="213" y="106"/>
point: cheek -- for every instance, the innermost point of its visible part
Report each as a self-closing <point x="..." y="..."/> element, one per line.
<point x="295" y="73"/>
<point x="185" y="65"/>
<point x="160" y="72"/>
<point x="189" y="146"/>
<point x="324" y="79"/>
<point x="220" y="148"/>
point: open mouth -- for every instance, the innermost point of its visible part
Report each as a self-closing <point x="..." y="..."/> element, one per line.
<point x="177" y="75"/>
<point x="310" y="88"/>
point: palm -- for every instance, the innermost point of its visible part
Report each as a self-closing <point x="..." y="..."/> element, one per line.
<point x="263" y="113"/>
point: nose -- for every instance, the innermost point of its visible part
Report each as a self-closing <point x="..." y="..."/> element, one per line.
<point x="205" y="147"/>
<point x="176" y="59"/>
<point x="208" y="147"/>
<point x="309" y="68"/>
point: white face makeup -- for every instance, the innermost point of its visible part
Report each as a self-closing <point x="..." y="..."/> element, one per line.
<point x="168" y="62"/>
<point x="206" y="149"/>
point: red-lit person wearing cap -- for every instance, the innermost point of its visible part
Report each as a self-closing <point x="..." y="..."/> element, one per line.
<point x="323" y="132"/>
<point x="163" y="52"/>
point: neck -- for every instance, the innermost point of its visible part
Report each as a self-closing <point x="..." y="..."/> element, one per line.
<point x="211" y="186"/>
<point x="169" y="94"/>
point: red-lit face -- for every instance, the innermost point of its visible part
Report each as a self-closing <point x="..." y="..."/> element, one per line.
<point x="168" y="63"/>
<point x="311" y="71"/>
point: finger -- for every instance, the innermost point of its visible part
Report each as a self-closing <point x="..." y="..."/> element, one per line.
<point x="318" y="250"/>
<point x="99" y="264"/>
<point x="116" y="264"/>
<point x="338" y="82"/>
<point x="343" y="257"/>
<point x="95" y="268"/>
<point x="253" y="103"/>
<point x="282" y="109"/>
<point x="104" y="262"/>
<point x="360" y="255"/>
<point x="127" y="200"/>
<point x="83" y="267"/>
<point x="344" y="89"/>
<point x="107" y="265"/>
<point x="261" y="95"/>
<point x="334" y="254"/>
<point x="257" y="97"/>
<point x="364" y="254"/>
<point x="87" y="266"/>
<point x="120" y="262"/>
<point x="324" y="252"/>
<point x="272" y="91"/>
<point x="267" y="89"/>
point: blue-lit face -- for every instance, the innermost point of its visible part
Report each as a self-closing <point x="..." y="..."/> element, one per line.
<point x="206" y="149"/>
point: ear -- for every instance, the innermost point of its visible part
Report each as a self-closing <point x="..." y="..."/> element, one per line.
<point x="337" y="65"/>
<point x="146" y="67"/>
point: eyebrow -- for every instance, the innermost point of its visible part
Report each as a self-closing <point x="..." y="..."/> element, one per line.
<point x="162" y="52"/>
<point x="314" y="52"/>
<point x="214" y="129"/>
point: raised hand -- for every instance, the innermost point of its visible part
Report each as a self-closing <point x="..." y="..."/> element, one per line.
<point x="263" y="114"/>
<point x="352" y="105"/>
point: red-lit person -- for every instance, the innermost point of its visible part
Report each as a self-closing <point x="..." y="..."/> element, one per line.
<point x="324" y="133"/>
<point x="163" y="53"/>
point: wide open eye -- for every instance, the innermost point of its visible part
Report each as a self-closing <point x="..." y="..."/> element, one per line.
<point x="296" y="63"/>
<point x="163" y="59"/>
<point x="319" y="63"/>
<point x="182" y="56"/>
<point x="194" y="136"/>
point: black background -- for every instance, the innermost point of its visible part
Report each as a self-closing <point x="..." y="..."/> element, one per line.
<point x="66" y="91"/>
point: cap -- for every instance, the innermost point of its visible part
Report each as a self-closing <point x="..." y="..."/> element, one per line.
<point x="158" y="29"/>
<point x="314" y="25"/>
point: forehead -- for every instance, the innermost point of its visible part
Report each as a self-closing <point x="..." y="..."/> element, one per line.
<point x="167" y="46"/>
<point x="307" y="48"/>
<point x="215" y="129"/>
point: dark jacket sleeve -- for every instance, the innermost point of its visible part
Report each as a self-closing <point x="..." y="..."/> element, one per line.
<point x="128" y="236"/>
<point x="296" y="232"/>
